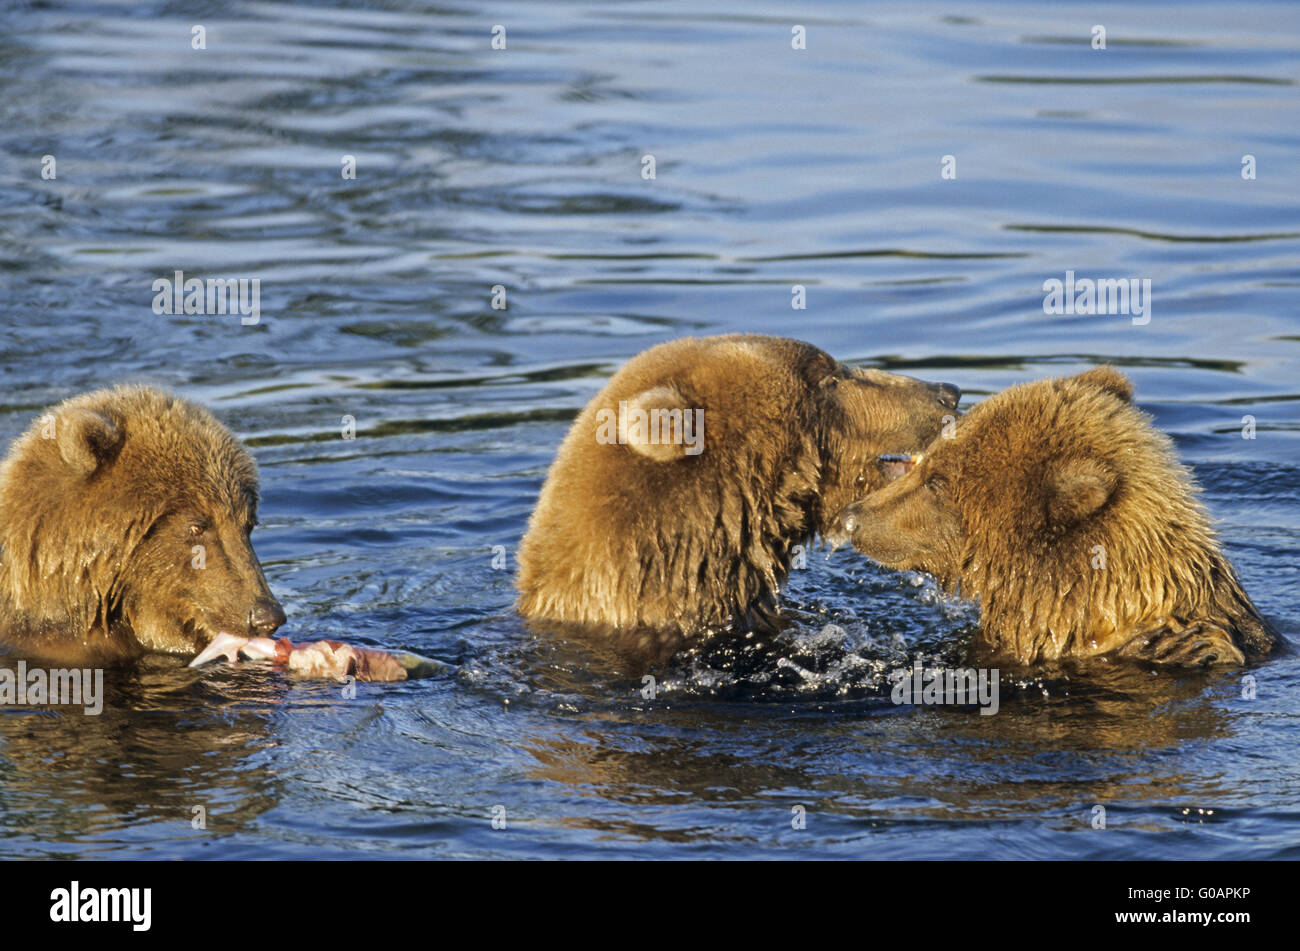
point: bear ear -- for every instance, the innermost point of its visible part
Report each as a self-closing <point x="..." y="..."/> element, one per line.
<point x="1076" y="488"/>
<point x="1110" y="380"/>
<point x="88" y="439"/>
<point x="659" y="425"/>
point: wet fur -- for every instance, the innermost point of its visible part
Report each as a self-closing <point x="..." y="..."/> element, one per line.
<point x="95" y="554"/>
<point x="653" y="552"/>
<point x="1011" y="512"/>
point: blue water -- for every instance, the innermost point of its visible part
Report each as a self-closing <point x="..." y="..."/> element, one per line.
<point x="523" y="167"/>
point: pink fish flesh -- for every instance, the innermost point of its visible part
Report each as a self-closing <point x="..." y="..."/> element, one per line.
<point x="322" y="659"/>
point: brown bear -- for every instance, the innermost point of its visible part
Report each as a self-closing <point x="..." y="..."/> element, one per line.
<point x="124" y="529"/>
<point x="1068" y="517"/>
<point x="677" y="499"/>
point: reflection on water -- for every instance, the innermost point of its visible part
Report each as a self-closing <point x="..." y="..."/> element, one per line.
<point x="872" y="766"/>
<point x="522" y="169"/>
<point x="166" y="741"/>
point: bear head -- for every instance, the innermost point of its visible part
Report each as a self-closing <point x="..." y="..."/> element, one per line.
<point x="125" y="518"/>
<point x="866" y="414"/>
<point x="679" y="497"/>
<point x="1066" y="514"/>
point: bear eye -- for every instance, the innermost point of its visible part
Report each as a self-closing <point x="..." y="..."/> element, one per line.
<point x="860" y="481"/>
<point x="198" y="528"/>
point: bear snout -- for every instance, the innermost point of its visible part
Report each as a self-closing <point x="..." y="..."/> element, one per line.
<point x="265" y="618"/>
<point x="846" y="523"/>
<point x="873" y="533"/>
<point x="948" y="394"/>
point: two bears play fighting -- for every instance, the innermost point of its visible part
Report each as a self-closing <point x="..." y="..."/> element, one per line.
<point x="1056" y="505"/>
<point x="672" y="513"/>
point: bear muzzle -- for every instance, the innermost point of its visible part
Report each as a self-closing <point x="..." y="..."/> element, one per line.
<point x="265" y="618"/>
<point x="846" y="523"/>
<point x="948" y="394"/>
<point x="863" y="525"/>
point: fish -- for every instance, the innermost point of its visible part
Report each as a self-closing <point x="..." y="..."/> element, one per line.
<point x="320" y="660"/>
